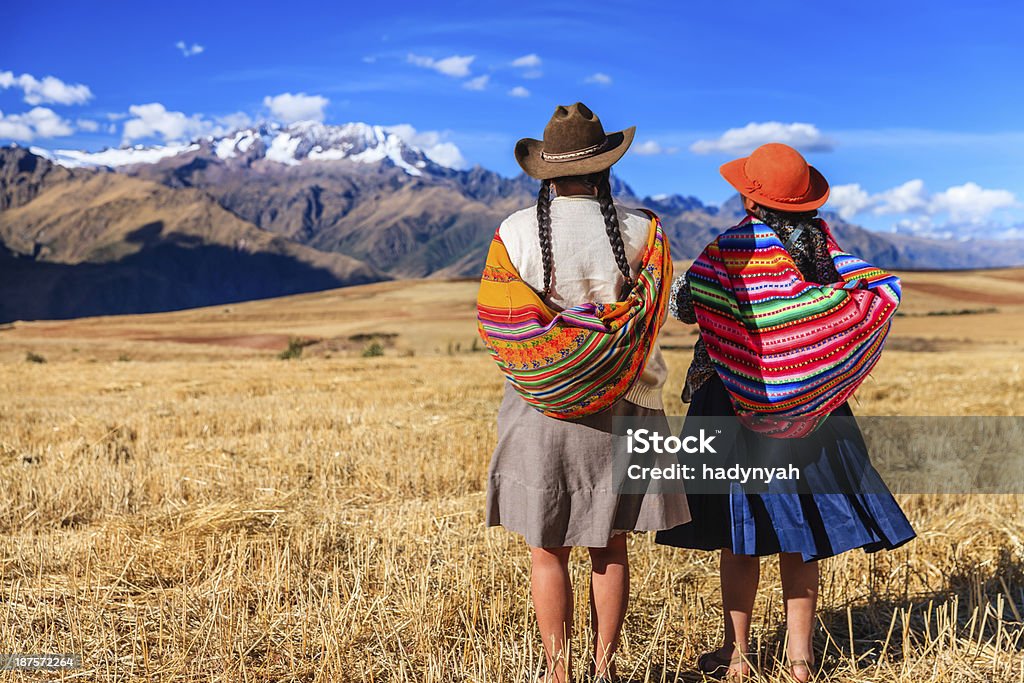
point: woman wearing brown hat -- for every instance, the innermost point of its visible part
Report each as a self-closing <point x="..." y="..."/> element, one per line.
<point x="571" y="300"/>
<point x="789" y="327"/>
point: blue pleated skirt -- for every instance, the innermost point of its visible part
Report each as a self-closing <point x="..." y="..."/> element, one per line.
<point x="811" y="517"/>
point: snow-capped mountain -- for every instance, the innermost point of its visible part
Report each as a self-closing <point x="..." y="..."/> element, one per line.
<point x="269" y="210"/>
<point x="291" y="145"/>
<point x="112" y="156"/>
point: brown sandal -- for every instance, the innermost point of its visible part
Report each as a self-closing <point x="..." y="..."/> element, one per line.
<point x="713" y="665"/>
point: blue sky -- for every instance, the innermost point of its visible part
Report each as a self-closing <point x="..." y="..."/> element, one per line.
<point x="911" y="109"/>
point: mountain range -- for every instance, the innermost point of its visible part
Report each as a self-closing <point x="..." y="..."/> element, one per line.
<point x="273" y="210"/>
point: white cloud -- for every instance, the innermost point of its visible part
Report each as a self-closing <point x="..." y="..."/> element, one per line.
<point x="38" y="122"/>
<point x="922" y="226"/>
<point x="519" y="91"/>
<point x="446" y="154"/>
<point x="15" y="127"/>
<point x="530" y="61"/>
<point x="926" y="226"/>
<point x="189" y="50"/>
<point x="433" y="143"/>
<point x="905" y="198"/>
<point x="153" y="120"/>
<point x="87" y="125"/>
<point x="289" y="107"/>
<point x="533" y="73"/>
<point x="230" y="122"/>
<point x="971" y="202"/>
<point x="48" y="124"/>
<point x="908" y="198"/>
<point x="804" y="136"/>
<point x="647" y="147"/>
<point x="967" y="204"/>
<point x="598" y="78"/>
<point x="651" y="148"/>
<point x="478" y="83"/>
<point x="848" y="200"/>
<point x="46" y="91"/>
<point x="455" y="66"/>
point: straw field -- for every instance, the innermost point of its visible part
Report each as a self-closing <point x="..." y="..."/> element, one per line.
<point x="179" y="502"/>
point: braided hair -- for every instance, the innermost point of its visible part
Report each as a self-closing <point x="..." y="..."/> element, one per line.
<point x="809" y="250"/>
<point x="544" y="229"/>
<point x="611" y="226"/>
<point x="787" y="221"/>
<point x="602" y="182"/>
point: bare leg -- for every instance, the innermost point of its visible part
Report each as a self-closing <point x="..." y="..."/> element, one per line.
<point x="740" y="575"/>
<point x="552" y="601"/>
<point x="800" y="591"/>
<point x="609" y="596"/>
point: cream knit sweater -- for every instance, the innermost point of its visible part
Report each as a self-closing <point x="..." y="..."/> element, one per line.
<point x="584" y="266"/>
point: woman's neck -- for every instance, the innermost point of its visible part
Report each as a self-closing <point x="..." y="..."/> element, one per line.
<point x="572" y="188"/>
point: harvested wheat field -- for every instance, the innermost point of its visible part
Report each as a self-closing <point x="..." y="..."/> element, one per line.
<point x="181" y="503"/>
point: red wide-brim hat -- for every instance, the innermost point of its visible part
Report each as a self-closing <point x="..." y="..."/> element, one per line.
<point x="778" y="177"/>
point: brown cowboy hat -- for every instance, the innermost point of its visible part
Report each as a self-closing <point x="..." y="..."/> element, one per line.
<point x="777" y="176"/>
<point x="574" y="144"/>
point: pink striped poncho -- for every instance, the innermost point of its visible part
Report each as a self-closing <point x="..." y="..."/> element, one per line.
<point x="788" y="351"/>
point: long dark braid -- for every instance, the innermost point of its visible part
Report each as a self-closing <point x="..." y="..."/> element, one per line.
<point x="544" y="228"/>
<point x="611" y="226"/>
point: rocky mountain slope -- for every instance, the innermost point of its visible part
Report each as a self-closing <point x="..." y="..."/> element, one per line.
<point x="24" y="175"/>
<point x="351" y="189"/>
<point x="93" y="242"/>
<point x="362" y="191"/>
<point x="273" y="209"/>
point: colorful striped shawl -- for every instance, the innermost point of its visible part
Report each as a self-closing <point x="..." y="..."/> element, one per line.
<point x="579" y="361"/>
<point x="784" y="347"/>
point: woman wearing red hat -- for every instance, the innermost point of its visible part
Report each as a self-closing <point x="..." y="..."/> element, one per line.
<point x="789" y="327"/>
<point x="572" y="297"/>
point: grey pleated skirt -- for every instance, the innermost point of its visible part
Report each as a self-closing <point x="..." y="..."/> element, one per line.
<point x="550" y="480"/>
